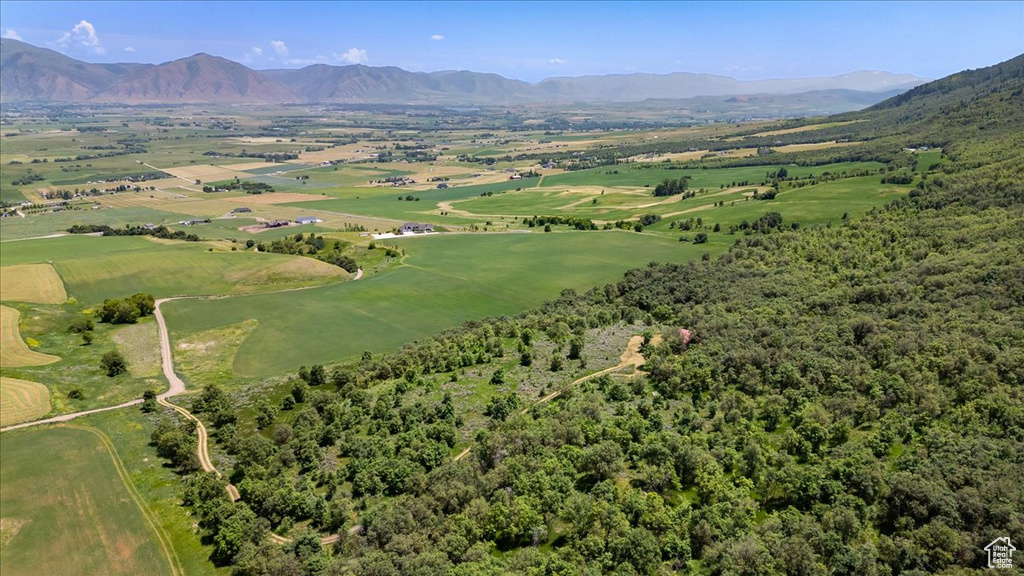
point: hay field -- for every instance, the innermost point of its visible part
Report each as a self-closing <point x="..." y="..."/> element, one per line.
<point x="190" y="269"/>
<point x="14" y="352"/>
<point x="22" y="401"/>
<point x="807" y="128"/>
<point x="38" y="283"/>
<point x="205" y="173"/>
<point x="813" y="146"/>
<point x="67" y="508"/>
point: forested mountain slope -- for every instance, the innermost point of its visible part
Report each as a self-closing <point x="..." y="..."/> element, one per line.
<point x="845" y="399"/>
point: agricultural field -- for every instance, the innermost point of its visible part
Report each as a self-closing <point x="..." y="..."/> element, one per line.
<point x="22" y="401"/>
<point x="80" y="502"/>
<point x="37" y="283"/>
<point x="14" y="350"/>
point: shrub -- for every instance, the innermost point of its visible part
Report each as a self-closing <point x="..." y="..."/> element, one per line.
<point x="113" y="363"/>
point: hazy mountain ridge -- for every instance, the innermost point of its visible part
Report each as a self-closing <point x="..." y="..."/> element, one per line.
<point x="200" y="78"/>
<point x="32" y="73"/>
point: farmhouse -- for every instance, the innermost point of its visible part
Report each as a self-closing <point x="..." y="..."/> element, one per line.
<point x="275" y="223"/>
<point x="241" y="209"/>
<point x="307" y="220"/>
<point x="414" y="227"/>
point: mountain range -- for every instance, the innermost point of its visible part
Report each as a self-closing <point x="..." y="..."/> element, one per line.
<point x="32" y="73"/>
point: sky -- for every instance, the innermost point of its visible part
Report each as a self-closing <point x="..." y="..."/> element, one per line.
<point x="535" y="40"/>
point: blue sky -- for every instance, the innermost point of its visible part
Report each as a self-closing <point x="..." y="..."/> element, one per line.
<point x="535" y="40"/>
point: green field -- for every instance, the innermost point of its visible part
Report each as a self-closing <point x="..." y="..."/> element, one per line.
<point x="389" y="202"/>
<point x="447" y="279"/>
<point x="632" y="175"/>
<point x="66" y="509"/>
<point x="817" y="204"/>
<point x="57" y="223"/>
<point x="94" y="269"/>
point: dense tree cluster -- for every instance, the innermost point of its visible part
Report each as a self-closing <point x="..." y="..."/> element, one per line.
<point x="575" y="222"/>
<point x="127" y="310"/>
<point x="312" y="246"/>
<point x="130" y="230"/>
<point x="672" y="187"/>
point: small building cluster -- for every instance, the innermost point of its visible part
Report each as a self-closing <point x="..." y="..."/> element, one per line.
<point x="415" y="228"/>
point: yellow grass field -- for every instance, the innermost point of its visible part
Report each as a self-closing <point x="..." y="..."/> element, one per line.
<point x="249" y="166"/>
<point x="814" y="146"/>
<point x="14" y="352"/>
<point x="22" y="401"/>
<point x="38" y="283"/>
<point x="205" y="173"/>
<point x="807" y="128"/>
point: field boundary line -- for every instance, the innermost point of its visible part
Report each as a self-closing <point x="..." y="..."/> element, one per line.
<point x="162" y="537"/>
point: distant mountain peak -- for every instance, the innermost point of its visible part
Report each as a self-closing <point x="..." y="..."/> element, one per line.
<point x="33" y="73"/>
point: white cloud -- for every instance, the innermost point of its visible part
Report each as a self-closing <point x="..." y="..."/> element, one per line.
<point x="437" y="37"/>
<point x="252" y="55"/>
<point x="354" y="56"/>
<point x="82" y="37"/>
<point x="743" y="68"/>
<point x="129" y="48"/>
<point x="350" y="56"/>
<point x="279" y="47"/>
<point x="8" y="33"/>
<point x="557" y="62"/>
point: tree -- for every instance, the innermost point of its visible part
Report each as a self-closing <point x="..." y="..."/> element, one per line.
<point x="317" y="375"/>
<point x="113" y="363"/>
<point x="700" y="238"/>
<point x="557" y="363"/>
<point x="87" y="338"/>
<point x="149" y="401"/>
<point x="576" y="348"/>
<point x="144" y="302"/>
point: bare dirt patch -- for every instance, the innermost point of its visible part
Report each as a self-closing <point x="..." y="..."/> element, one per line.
<point x="9" y="528"/>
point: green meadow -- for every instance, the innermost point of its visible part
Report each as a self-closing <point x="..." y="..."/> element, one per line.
<point x="96" y="268"/>
<point x="445" y="280"/>
<point x="391" y="203"/>
<point x="639" y="175"/>
<point x="54" y="483"/>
